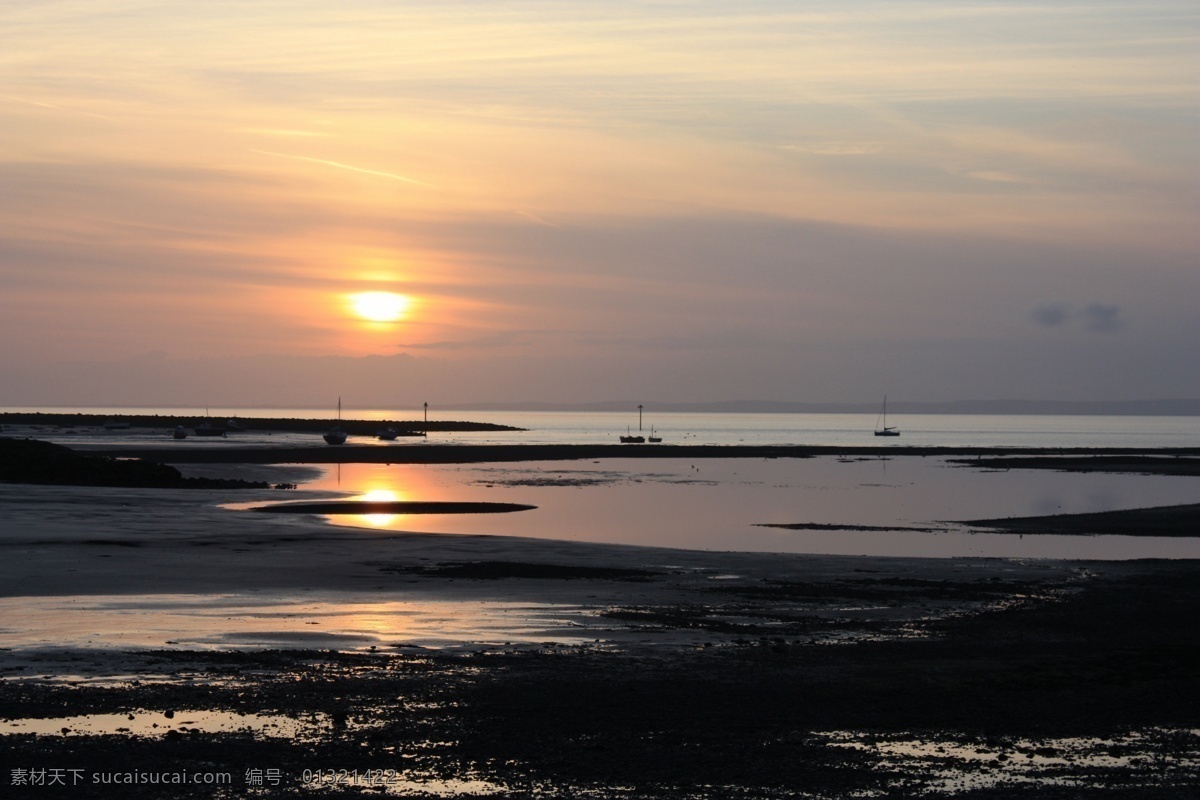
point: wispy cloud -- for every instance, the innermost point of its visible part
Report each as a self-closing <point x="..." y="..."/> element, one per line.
<point x="500" y="339"/>
<point x="1051" y="315"/>
<point x="340" y="165"/>
<point x="1095" y="317"/>
<point x="53" y="107"/>
<point x="1102" y="318"/>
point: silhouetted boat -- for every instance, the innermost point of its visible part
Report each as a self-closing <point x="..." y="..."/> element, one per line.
<point x="388" y="434"/>
<point x="180" y="432"/>
<point x="654" y="439"/>
<point x="881" y="426"/>
<point x="207" y="428"/>
<point x="336" y="435"/>
<point x="629" y="438"/>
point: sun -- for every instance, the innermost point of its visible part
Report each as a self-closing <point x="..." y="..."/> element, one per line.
<point x="379" y="306"/>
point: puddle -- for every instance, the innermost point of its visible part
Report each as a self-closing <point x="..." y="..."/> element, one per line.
<point x="328" y="620"/>
<point x="160" y="723"/>
<point x="1157" y="756"/>
<point x="391" y="782"/>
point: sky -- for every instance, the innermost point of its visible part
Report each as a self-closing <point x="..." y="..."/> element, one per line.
<point x="569" y="202"/>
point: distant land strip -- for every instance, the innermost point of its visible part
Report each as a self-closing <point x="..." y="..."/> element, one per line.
<point x="474" y="454"/>
<point x="354" y="427"/>
<point x="391" y="507"/>
<point x="1127" y="463"/>
<point x="1159" y="521"/>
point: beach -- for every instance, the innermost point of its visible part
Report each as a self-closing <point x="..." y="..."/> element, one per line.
<point x="297" y="656"/>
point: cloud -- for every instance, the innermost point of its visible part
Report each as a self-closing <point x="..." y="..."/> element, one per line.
<point x="495" y="340"/>
<point x="1102" y="318"/>
<point x="1051" y="314"/>
<point x="1095" y="317"/>
<point x="339" y="165"/>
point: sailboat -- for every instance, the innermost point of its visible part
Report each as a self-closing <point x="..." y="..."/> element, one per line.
<point x="881" y="426"/>
<point x="654" y="439"/>
<point x="336" y="435"/>
<point x="629" y="438"/>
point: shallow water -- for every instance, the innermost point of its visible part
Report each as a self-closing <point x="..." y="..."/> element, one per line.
<point x="325" y="620"/>
<point x="720" y="504"/>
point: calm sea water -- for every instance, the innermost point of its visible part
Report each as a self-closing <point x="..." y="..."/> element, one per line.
<point x="724" y="504"/>
<point x="721" y="504"/>
<point x="949" y="430"/>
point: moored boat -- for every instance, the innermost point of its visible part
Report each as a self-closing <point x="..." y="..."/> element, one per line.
<point x="881" y="426"/>
<point x="207" y="428"/>
<point x="336" y="435"/>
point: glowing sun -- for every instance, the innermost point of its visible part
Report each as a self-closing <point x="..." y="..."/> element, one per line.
<point x="379" y="306"/>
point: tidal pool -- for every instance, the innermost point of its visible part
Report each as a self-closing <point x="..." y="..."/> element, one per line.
<point x="721" y="504"/>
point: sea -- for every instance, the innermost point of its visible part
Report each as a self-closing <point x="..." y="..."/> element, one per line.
<point x="569" y="427"/>
<point x="878" y="505"/>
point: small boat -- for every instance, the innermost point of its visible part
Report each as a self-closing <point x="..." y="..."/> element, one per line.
<point x="654" y="439"/>
<point x="336" y="435"/>
<point x="881" y="426"/>
<point x="207" y="428"/>
<point x="180" y="432"/>
<point x="629" y="438"/>
<point x="388" y="434"/>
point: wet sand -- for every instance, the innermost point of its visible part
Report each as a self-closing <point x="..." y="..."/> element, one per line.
<point x="495" y="666"/>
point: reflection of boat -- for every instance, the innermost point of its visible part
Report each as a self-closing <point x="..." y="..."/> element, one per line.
<point x="180" y="432"/>
<point x="654" y="439"/>
<point x="881" y="426"/>
<point x="336" y="435"/>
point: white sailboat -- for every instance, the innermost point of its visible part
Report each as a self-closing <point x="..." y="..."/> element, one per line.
<point x="336" y="435"/>
<point x="881" y="426"/>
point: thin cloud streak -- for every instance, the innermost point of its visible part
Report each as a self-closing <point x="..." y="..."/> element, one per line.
<point x="350" y="167"/>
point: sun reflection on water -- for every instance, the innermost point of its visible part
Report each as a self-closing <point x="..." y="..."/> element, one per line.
<point x="381" y="496"/>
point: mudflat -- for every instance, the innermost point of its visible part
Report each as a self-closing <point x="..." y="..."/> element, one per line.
<point x="353" y="662"/>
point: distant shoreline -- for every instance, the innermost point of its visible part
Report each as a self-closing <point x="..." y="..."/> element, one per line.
<point x="1172" y="407"/>
<point x="354" y="427"/>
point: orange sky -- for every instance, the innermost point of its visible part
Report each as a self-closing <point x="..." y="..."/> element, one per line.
<point x="775" y="200"/>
